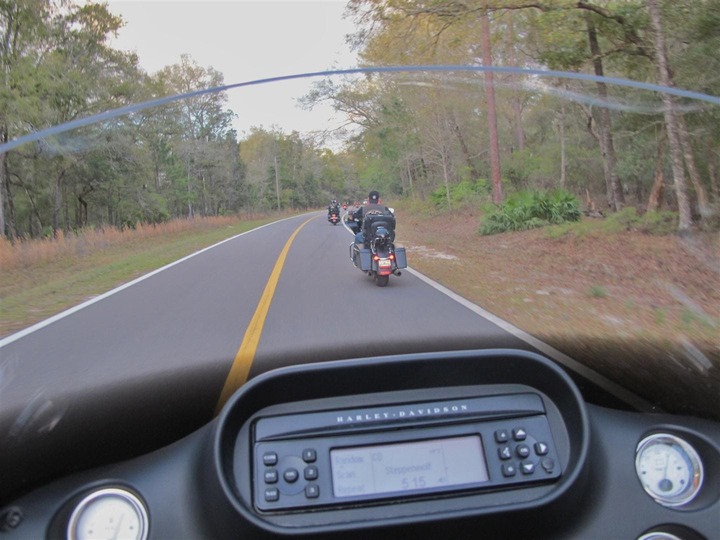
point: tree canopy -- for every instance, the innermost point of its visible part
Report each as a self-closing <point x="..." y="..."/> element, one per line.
<point x="417" y="135"/>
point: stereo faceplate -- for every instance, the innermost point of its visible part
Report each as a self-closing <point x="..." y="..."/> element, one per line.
<point x="362" y="455"/>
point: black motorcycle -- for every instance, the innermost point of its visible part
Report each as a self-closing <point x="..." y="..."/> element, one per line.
<point x="374" y="251"/>
<point x="334" y="216"/>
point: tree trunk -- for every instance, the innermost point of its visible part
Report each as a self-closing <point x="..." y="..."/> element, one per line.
<point x="563" y="157"/>
<point x="34" y="220"/>
<point x="616" y="199"/>
<point x="685" y="221"/>
<point x="9" y="227"/>
<point x="689" y="157"/>
<point x="465" y="150"/>
<point x="2" y="195"/>
<point x="497" y="194"/>
<point x="515" y="100"/>
<point x="410" y="180"/>
<point x="66" y="207"/>
<point x="656" y="193"/>
<point x="57" y="203"/>
<point x="712" y="171"/>
<point x="445" y="178"/>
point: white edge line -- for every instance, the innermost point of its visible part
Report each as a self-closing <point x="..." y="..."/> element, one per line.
<point x="42" y="324"/>
<point x="560" y="357"/>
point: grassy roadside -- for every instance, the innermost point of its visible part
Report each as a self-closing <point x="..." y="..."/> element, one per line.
<point x="635" y="307"/>
<point x="32" y="292"/>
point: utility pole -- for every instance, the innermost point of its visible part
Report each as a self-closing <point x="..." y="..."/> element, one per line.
<point x="277" y="183"/>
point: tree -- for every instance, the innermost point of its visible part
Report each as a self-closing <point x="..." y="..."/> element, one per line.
<point x="671" y="126"/>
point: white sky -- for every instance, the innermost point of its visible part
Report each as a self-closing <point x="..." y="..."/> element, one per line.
<point x="245" y="40"/>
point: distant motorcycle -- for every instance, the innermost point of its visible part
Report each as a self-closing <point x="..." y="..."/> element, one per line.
<point x="374" y="250"/>
<point x="334" y="217"/>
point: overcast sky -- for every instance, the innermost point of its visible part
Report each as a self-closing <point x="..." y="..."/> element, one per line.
<point x="245" y="40"/>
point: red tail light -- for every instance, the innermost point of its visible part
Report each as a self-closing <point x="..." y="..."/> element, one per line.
<point x="392" y="256"/>
<point x="376" y="258"/>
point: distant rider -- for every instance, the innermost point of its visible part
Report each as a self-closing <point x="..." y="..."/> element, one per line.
<point x="334" y="207"/>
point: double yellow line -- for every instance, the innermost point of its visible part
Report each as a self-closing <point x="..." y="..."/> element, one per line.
<point x="246" y="353"/>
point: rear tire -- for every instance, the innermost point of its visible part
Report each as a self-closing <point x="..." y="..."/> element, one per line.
<point x="381" y="281"/>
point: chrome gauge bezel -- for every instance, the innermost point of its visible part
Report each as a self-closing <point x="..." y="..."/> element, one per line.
<point x="694" y="462"/>
<point x="97" y="497"/>
<point x="659" y="535"/>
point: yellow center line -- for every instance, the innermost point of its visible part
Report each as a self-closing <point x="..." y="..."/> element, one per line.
<point x="246" y="353"/>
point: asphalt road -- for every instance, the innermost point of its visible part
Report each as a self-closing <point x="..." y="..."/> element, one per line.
<point x="152" y="358"/>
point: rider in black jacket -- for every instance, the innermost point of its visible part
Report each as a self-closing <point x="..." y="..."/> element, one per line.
<point x="373" y="206"/>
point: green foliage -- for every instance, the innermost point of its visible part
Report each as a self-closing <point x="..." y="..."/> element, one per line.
<point x="656" y="223"/>
<point x="464" y="192"/>
<point x="597" y="291"/>
<point x="528" y="210"/>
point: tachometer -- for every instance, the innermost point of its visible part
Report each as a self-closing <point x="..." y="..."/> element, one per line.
<point x="669" y="469"/>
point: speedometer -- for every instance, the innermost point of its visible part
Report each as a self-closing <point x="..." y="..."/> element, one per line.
<point x="669" y="469"/>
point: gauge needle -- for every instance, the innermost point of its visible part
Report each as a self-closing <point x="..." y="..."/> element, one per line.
<point x="667" y="462"/>
<point x="117" y="529"/>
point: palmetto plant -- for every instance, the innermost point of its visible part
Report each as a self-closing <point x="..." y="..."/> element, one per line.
<point x="528" y="210"/>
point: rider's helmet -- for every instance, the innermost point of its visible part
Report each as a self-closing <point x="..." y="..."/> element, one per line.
<point x="373" y="197"/>
<point x="382" y="233"/>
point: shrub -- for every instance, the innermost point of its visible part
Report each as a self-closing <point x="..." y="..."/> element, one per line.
<point x="460" y="193"/>
<point x="528" y="210"/>
<point x="597" y="291"/>
<point x="627" y="219"/>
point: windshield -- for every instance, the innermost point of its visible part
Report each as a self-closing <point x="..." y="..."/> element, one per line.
<point x="552" y="171"/>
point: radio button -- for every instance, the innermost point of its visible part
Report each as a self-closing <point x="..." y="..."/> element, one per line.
<point x="541" y="448"/>
<point x="504" y="452"/>
<point x="519" y="434"/>
<point x="270" y="459"/>
<point x="271" y="476"/>
<point x="508" y="470"/>
<point x="309" y="455"/>
<point x="272" y="494"/>
<point x="528" y="467"/>
<point x="522" y="450"/>
<point x="291" y="475"/>
<point x="312" y="491"/>
<point x="548" y="464"/>
<point x="310" y="473"/>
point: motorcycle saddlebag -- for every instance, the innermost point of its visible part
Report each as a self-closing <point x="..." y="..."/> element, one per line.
<point x="365" y="259"/>
<point x="400" y="257"/>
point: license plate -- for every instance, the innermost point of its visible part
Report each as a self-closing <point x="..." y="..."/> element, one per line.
<point x="385" y="263"/>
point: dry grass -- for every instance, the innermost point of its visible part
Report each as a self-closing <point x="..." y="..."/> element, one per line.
<point x="74" y="246"/>
<point x="636" y="307"/>
<point x="40" y="278"/>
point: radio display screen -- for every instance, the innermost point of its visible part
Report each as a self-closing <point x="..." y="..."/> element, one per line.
<point x="408" y="466"/>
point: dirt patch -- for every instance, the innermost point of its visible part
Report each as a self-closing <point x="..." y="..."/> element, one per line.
<point x="643" y="310"/>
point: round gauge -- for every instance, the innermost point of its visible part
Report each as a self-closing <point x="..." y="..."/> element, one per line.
<point x="110" y="513"/>
<point x="669" y="469"/>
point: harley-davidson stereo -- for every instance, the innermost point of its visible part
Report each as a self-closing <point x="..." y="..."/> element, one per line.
<point x="345" y="457"/>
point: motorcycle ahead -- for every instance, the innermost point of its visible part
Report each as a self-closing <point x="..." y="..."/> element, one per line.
<point x="334" y="217"/>
<point x="374" y="251"/>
